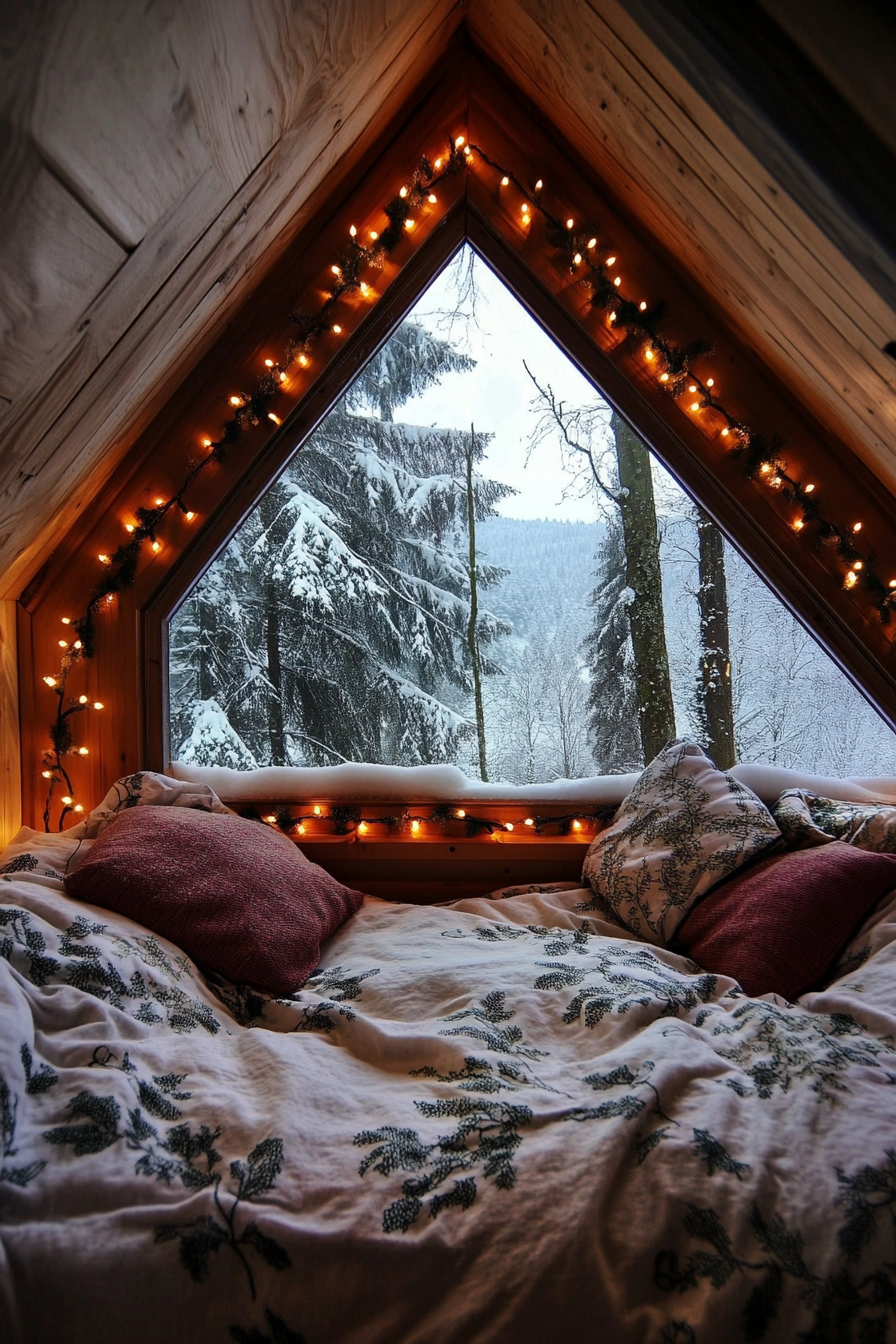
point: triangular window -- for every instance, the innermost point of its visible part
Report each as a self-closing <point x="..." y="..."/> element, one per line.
<point x="581" y="612"/>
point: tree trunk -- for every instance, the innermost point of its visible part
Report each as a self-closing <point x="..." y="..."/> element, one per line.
<point x="472" y="636"/>
<point x="714" y="710"/>
<point x="656" y="716"/>
<point x="207" y="642"/>
<point x="275" y="697"/>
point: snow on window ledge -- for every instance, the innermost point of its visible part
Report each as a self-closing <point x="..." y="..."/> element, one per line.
<point x="445" y="783"/>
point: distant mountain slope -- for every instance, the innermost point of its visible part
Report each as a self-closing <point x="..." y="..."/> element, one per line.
<point x="551" y="575"/>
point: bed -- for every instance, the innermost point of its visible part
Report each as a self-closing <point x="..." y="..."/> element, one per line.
<point x="494" y="1120"/>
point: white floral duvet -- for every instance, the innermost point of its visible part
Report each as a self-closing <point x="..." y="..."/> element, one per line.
<point x="495" y="1121"/>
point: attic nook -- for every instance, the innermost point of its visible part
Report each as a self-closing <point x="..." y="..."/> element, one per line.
<point x="329" y="960"/>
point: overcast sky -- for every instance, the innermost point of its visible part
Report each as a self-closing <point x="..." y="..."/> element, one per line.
<point x="496" y="396"/>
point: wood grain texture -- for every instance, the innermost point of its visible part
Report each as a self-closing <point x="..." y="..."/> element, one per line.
<point x="683" y="173"/>
<point x="113" y="113"/>
<point x="10" y="744"/>
<point x="67" y="433"/>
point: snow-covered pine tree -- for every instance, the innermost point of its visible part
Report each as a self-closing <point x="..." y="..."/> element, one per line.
<point x="613" y="701"/>
<point x="351" y="600"/>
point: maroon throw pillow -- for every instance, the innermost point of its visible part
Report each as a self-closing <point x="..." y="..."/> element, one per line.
<point x="237" y="896"/>
<point x="780" y="924"/>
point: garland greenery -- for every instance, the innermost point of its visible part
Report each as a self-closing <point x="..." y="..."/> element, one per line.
<point x="759" y="451"/>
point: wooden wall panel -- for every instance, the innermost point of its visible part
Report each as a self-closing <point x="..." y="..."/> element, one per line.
<point x="685" y="175"/>
<point x="109" y="372"/>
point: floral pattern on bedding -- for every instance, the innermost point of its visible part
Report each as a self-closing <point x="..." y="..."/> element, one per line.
<point x="362" y="1160"/>
<point x="806" y="820"/>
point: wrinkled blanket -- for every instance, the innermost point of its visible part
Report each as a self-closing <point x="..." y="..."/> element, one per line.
<point x="494" y="1121"/>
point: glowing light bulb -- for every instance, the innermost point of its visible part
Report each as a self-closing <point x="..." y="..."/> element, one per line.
<point x="335" y="270"/>
<point x="353" y="231"/>
<point x="158" y="503"/>
<point x="765" y="468"/>
<point x="577" y="259"/>
<point x="316" y="809"/>
<point x="282" y="377"/>
<point x="437" y="165"/>
<point x="592" y="242"/>
<point x="458" y="142"/>
<point x="467" y="151"/>
<point x="432" y="198"/>
<point x="276" y="419"/>
<point x="850" y="579"/>
<point x="270" y="820"/>
<point x="692" y="387"/>
<point x="337" y="328"/>
<point x="129" y="527"/>
<point x="508" y="825"/>
<point x="892" y="583"/>
<point x="103" y="558"/>
<point x="363" y="828"/>
<point x="612" y="317"/>
<point x="77" y="644"/>
<point x="82" y="699"/>
<point x="538" y="185"/>
<point x="775" y="481"/>
<point x="206" y="443"/>
<point x="63" y="644"/>
<point x="374" y="235"/>
<point x="67" y="799"/>
<point x="530" y="821"/>
<point x="78" y="807"/>
<point x="569" y="223"/>
<point x="798" y="525"/>
<point x="269" y="363"/>
<point x="648" y="354"/>
<point x="809" y="489"/>
<point x="409" y="224"/>
<point x="415" y="826"/>
<point x="110" y="597"/>
<point x="82" y="751"/>
<point x="858" y="565"/>
<point x="505" y="181"/>
<point x="303" y="360"/>
<point x="577" y="825"/>
<point x="725" y="433"/>
<point x="857" y="527"/>
<point x="460" y="811"/>
<point x="618" y="281"/>
<point x="157" y="546"/>
<point x="364" y="287"/>
<point x="403" y="192"/>
<point x="301" y="828"/>
<point x="664" y="377"/>
<point x="66" y="620"/>
<point x="611" y="261"/>
<point x="710" y="382"/>
<point x="189" y="515"/>
<point x="525" y="207"/>
<point x="47" y="774"/>
<point x="98" y="704"/>
<point x="695" y="405"/>
<point x="643" y="306"/>
<point x="235" y="401"/>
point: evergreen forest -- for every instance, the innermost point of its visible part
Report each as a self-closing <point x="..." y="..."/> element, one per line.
<point x="382" y="604"/>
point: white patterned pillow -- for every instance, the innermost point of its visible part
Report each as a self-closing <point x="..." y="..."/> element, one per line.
<point x="684" y="827"/>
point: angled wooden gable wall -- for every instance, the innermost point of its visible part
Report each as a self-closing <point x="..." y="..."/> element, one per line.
<point x="462" y="95"/>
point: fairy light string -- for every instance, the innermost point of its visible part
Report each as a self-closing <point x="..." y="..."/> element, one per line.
<point x="594" y="267"/>
<point x="347" y="820"/>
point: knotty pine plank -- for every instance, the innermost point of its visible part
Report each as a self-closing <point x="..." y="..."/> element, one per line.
<point x="77" y="428"/>
<point x="567" y="60"/>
